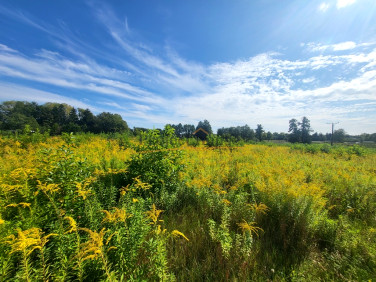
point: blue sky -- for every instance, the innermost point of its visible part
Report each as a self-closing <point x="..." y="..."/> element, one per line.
<point x="230" y="62"/>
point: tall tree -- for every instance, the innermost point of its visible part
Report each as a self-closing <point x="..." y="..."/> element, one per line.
<point x="305" y="129"/>
<point x="60" y="114"/>
<point x="259" y="132"/>
<point x="188" y="130"/>
<point x="73" y="117"/>
<point x="86" y="120"/>
<point x="294" y="131"/>
<point x="205" y="125"/>
<point x="247" y="133"/>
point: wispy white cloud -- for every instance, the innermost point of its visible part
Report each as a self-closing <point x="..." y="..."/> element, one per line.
<point x="22" y="17"/>
<point x="344" y="3"/>
<point x="323" y="7"/>
<point x="21" y="93"/>
<point x="170" y="69"/>
<point x="308" y="80"/>
<point x="348" y="45"/>
<point x="342" y="46"/>
<point x="6" y="49"/>
<point x="51" y="68"/>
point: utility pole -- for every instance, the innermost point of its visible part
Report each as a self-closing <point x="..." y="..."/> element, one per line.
<point x="331" y="139"/>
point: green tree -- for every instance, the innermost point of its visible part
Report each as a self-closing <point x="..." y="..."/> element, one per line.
<point x="269" y="136"/>
<point x="107" y="122"/>
<point x="86" y="120"/>
<point x="60" y="114"/>
<point x="179" y="129"/>
<point x="305" y="129"/>
<point x="259" y="132"/>
<point x="15" y="115"/>
<point x="205" y="125"/>
<point x="339" y="135"/>
<point x="294" y="131"/>
<point x="188" y="130"/>
<point x="18" y="121"/>
<point x="73" y="117"/>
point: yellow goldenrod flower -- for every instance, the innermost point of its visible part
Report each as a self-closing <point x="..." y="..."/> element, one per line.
<point x="124" y="190"/>
<point x="159" y="230"/>
<point x="249" y="227"/>
<point x="72" y="224"/>
<point x="82" y="190"/>
<point x="48" y="188"/>
<point x="93" y="248"/>
<point x="22" y="204"/>
<point x="153" y="214"/>
<point x="28" y="240"/>
<point x="259" y="208"/>
<point x="141" y="185"/>
<point x="227" y="202"/>
<point x="119" y="215"/>
<point x="177" y="233"/>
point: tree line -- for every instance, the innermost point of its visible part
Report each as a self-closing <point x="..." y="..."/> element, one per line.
<point x="56" y="118"/>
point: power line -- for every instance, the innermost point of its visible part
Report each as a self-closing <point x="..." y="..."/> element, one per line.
<point x="332" y="123"/>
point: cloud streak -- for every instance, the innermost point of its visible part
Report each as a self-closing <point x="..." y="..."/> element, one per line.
<point x="21" y="93"/>
<point x="51" y="68"/>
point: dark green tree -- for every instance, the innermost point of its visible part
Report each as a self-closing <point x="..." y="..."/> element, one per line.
<point x="205" y="125"/>
<point x="179" y="130"/>
<point x="269" y="136"/>
<point x="110" y="123"/>
<point x="294" y="131"/>
<point x="73" y="117"/>
<point x="18" y="121"/>
<point x="239" y="132"/>
<point x="86" y="120"/>
<point x="259" y="132"/>
<point x="305" y="129"/>
<point x="339" y="135"/>
<point x="188" y="130"/>
<point x="247" y="133"/>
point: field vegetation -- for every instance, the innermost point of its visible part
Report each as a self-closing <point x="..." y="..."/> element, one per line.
<point x="109" y="207"/>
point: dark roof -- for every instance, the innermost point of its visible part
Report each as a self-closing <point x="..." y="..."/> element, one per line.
<point x="200" y="129"/>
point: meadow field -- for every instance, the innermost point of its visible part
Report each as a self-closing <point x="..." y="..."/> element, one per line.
<point x="156" y="208"/>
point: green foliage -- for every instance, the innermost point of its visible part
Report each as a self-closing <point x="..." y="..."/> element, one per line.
<point x="291" y="219"/>
<point x="214" y="141"/>
<point x="54" y="118"/>
<point x="239" y="132"/>
<point x="221" y="233"/>
<point x="194" y="142"/>
<point x="158" y="163"/>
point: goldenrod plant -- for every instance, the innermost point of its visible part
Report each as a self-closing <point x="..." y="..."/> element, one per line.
<point x="156" y="208"/>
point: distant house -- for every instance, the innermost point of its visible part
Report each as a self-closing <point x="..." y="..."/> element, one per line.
<point x="200" y="133"/>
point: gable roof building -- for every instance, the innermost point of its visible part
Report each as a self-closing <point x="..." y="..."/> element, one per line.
<point x="201" y="133"/>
